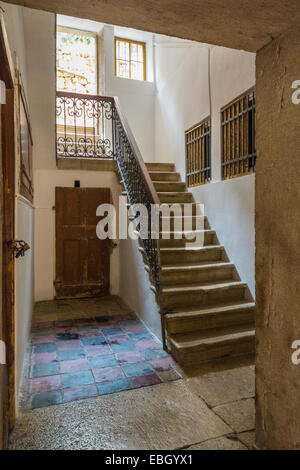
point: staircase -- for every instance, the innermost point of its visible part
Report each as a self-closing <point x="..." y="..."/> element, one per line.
<point x="209" y="310"/>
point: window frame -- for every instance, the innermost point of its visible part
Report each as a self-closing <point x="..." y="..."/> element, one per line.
<point x="131" y="41"/>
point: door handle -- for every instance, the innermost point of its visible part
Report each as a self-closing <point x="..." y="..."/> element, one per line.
<point x="19" y="247"/>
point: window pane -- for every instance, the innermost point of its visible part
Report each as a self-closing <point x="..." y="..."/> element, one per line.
<point x="123" y="50"/>
<point x="134" y="52"/>
<point x="76" y="62"/>
<point x="122" y="69"/>
<point x="140" y="53"/>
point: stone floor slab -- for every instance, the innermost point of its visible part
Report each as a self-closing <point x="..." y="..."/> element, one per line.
<point x="165" y="416"/>
<point x="221" y="443"/>
<point x="248" y="438"/>
<point x="226" y="386"/>
<point x="240" y="415"/>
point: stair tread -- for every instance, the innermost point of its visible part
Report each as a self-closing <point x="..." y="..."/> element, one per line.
<point x="191" y="248"/>
<point x="206" y="230"/>
<point x="211" y="336"/>
<point x="182" y="183"/>
<point x="196" y="266"/>
<point x="217" y="308"/>
<point x="206" y="286"/>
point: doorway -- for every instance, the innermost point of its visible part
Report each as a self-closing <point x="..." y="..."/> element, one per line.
<point x="82" y="260"/>
<point x="7" y="234"/>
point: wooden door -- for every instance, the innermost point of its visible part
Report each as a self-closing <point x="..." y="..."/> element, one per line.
<point x="82" y="260"/>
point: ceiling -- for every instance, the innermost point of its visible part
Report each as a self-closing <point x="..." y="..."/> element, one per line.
<point x="240" y="24"/>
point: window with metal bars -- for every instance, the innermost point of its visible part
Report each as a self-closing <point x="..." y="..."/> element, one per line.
<point x="197" y="150"/>
<point x="238" y="136"/>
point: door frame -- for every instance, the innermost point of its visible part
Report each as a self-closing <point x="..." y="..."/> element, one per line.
<point x="7" y="199"/>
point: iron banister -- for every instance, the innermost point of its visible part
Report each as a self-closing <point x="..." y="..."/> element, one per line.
<point x="148" y="182"/>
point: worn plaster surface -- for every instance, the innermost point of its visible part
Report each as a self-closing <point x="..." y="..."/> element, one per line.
<point x="277" y="244"/>
<point x="248" y="25"/>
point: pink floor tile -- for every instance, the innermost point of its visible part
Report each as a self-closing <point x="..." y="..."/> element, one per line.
<point x="147" y="344"/>
<point x="91" y="332"/>
<point x="162" y="364"/>
<point x="129" y="357"/>
<point x="45" y="384"/>
<point x="85" y="391"/>
<point x="39" y="339"/>
<point x="108" y="374"/>
<point x="44" y="358"/>
<point x="74" y="366"/>
<point x="69" y="344"/>
<point x="98" y="350"/>
<point x="134" y="328"/>
<point x="144" y="380"/>
<point x="117" y="339"/>
<point x="65" y="329"/>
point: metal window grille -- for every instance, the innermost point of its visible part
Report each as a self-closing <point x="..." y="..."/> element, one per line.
<point x="197" y="149"/>
<point x="238" y="136"/>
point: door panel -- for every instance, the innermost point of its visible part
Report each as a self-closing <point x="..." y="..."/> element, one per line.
<point x="82" y="260"/>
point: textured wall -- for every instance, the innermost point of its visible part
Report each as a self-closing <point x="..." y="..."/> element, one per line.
<point x="246" y="24"/>
<point x="278" y="244"/>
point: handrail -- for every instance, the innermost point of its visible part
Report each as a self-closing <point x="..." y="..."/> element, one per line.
<point x="84" y="96"/>
<point x="92" y="126"/>
<point x="140" y="190"/>
<point x="148" y="181"/>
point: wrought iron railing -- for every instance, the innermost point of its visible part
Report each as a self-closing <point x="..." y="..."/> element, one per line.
<point x="139" y="189"/>
<point x="83" y="126"/>
<point x="95" y="127"/>
<point x="197" y="152"/>
<point x="238" y="136"/>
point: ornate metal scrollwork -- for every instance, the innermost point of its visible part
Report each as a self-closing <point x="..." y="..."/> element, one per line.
<point x="83" y="126"/>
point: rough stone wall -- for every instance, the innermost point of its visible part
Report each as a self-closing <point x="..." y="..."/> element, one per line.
<point x="278" y="244"/>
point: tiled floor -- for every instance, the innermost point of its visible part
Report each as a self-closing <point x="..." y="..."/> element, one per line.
<point x="81" y="358"/>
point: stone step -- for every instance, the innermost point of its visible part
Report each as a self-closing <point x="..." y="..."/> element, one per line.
<point x="161" y="176"/>
<point x="177" y="223"/>
<point x="184" y="256"/>
<point x="207" y="345"/>
<point x="217" y="316"/>
<point x="170" y="187"/>
<point x="176" y="198"/>
<point x="183" y="207"/>
<point x="206" y="237"/>
<point x="165" y="167"/>
<point x="176" y="275"/>
<point x="202" y="295"/>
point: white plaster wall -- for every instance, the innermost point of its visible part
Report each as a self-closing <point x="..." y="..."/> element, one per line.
<point x="182" y="71"/>
<point x="24" y="211"/>
<point x="137" y="97"/>
<point x="135" y="286"/>
<point x="24" y="282"/>
<point x="45" y="183"/>
<point x="39" y="29"/>
<point x="137" y="100"/>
